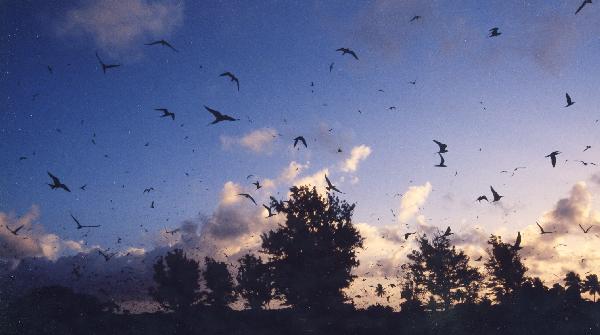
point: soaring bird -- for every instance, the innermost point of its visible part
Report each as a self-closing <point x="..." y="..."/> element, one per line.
<point x="494" y="32"/>
<point x="83" y="187"/>
<point x="407" y="235"/>
<point x="482" y="197"/>
<point x="16" y="231"/>
<point x="331" y="67"/>
<point x="166" y="113"/>
<point x="152" y="204"/>
<point x="585" y="231"/>
<point x="479" y="259"/>
<point x="106" y="66"/>
<point x="414" y="18"/>
<point x="585" y="2"/>
<point x="80" y="226"/>
<point x="257" y="184"/>
<point x="442" y="161"/>
<point x="448" y="232"/>
<point x="148" y="190"/>
<point x="163" y="43"/>
<point x="517" y="245"/>
<point x="50" y="69"/>
<point x="442" y="147"/>
<point x="552" y="156"/>
<point x="569" y="101"/>
<point x="56" y="183"/>
<point x="347" y="51"/>
<point x="247" y="196"/>
<point x="218" y="116"/>
<point x="542" y="231"/>
<point x="106" y="255"/>
<point x="300" y="139"/>
<point x="232" y="77"/>
<point x="587" y="147"/>
<point x="330" y="186"/>
<point x="172" y="232"/>
<point x="497" y="196"/>
<point x="269" y="210"/>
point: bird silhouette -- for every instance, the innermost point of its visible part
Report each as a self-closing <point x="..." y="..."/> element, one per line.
<point x="479" y="259"/>
<point x="517" y="245"/>
<point x="269" y="210"/>
<point x="414" y="18"/>
<point x="50" y="69"/>
<point x="482" y="197"/>
<point x="442" y="147"/>
<point x="407" y="235"/>
<point x="448" y="232"/>
<point x="442" y="161"/>
<point x="587" y="147"/>
<point x="585" y="231"/>
<point x="107" y="256"/>
<point x="232" y="77"/>
<point x="172" y="232"/>
<point x="218" y="116"/>
<point x="569" y="101"/>
<point x="56" y="183"/>
<point x="106" y="66"/>
<point x="163" y="43"/>
<point x="494" y="32"/>
<point x="585" y="2"/>
<point x="347" y="51"/>
<point x="542" y="231"/>
<point x="497" y="196"/>
<point x="300" y="139"/>
<point x="257" y="184"/>
<point x="80" y="226"/>
<point x="247" y="196"/>
<point x="152" y="204"/>
<point x="83" y="187"/>
<point x="552" y="156"/>
<point x="330" y="186"/>
<point x="331" y="67"/>
<point x="15" y="231"/>
<point x="148" y="190"/>
<point x="166" y="113"/>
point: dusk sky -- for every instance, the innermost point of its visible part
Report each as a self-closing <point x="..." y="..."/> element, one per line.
<point x="497" y="102"/>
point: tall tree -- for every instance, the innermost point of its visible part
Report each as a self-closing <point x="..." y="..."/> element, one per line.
<point x="591" y="285"/>
<point x="442" y="271"/>
<point x="312" y="254"/>
<point x="573" y="287"/>
<point x="219" y="283"/>
<point x="255" y="282"/>
<point x="506" y="272"/>
<point x="176" y="277"/>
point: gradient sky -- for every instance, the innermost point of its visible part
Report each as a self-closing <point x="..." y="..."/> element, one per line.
<point x="497" y="103"/>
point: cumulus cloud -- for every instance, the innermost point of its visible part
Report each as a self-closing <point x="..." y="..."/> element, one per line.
<point x="357" y="155"/>
<point x="117" y="25"/>
<point x="412" y="200"/>
<point x="258" y="141"/>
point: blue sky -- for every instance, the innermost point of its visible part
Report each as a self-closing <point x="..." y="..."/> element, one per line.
<point x="504" y="95"/>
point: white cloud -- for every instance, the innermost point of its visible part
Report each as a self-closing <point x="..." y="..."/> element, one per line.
<point x="357" y="154"/>
<point x="414" y="198"/>
<point x="258" y="141"/>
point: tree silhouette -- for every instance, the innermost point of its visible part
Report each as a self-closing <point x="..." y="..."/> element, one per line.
<point x="591" y="285"/>
<point x="506" y="272"/>
<point x="379" y="290"/>
<point x="442" y="271"/>
<point x="177" y="278"/>
<point x="219" y="283"/>
<point x="410" y="294"/>
<point x="255" y="282"/>
<point x="312" y="254"/>
<point x="573" y="287"/>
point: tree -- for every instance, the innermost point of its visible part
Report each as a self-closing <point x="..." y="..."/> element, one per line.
<point x="442" y="271"/>
<point x="573" y="287"/>
<point x="506" y="272"/>
<point x="312" y="254"/>
<point x="379" y="290"/>
<point x="177" y="278"/>
<point x="219" y="282"/>
<point x="255" y="282"/>
<point x="591" y="285"/>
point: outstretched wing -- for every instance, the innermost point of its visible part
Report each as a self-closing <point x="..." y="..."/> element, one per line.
<point x="214" y="112"/>
<point x="580" y="7"/>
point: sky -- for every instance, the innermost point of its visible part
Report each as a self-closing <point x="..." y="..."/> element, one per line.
<point x="497" y="102"/>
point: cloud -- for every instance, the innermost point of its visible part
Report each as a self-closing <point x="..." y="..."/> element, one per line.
<point x="118" y="25"/>
<point x="412" y="200"/>
<point x="258" y="141"/>
<point x="357" y="154"/>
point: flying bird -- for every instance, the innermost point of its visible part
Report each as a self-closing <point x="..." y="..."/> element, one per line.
<point x="106" y="66"/>
<point x="163" y="43"/>
<point x="569" y="101"/>
<point x="552" y="156"/>
<point x="152" y="204"/>
<point x="585" y="231"/>
<point x="56" y="183"/>
<point x="218" y="116"/>
<point x="585" y="2"/>
<point x="442" y="161"/>
<point x="407" y="235"/>
<point x="479" y="259"/>
<point x="497" y="196"/>
<point x="482" y="197"/>
<point x="83" y="187"/>
<point x="166" y="113"/>
<point x="448" y="232"/>
<point x="414" y="18"/>
<point x="147" y="190"/>
<point x="330" y="186"/>
<point x="270" y="211"/>
<point x="232" y="77"/>
<point x="587" y="147"/>
<point x="79" y="225"/>
<point x="257" y="184"/>
<point x="542" y="231"/>
<point x="494" y="32"/>
<point x="331" y="67"/>
<point x="442" y="147"/>
<point x="106" y="255"/>
<point x="172" y="232"/>
<point x="16" y="231"/>
<point x="247" y="196"/>
<point x="300" y="139"/>
<point x="347" y="51"/>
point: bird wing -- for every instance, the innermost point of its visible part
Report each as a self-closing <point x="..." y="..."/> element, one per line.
<point x="17" y="230"/>
<point x="553" y="160"/>
<point x="153" y="43"/>
<point x="54" y="178"/>
<point x="169" y="45"/>
<point x="74" y="219"/>
<point x="98" y="57"/>
<point x="442" y="159"/>
<point x="580" y="7"/>
<point x="569" y="101"/>
<point x="303" y="141"/>
<point x="541" y="229"/>
<point x="328" y="182"/>
<point x="65" y="187"/>
<point x="226" y="74"/>
<point x="353" y="54"/>
<point x="494" y="193"/>
<point x="214" y="112"/>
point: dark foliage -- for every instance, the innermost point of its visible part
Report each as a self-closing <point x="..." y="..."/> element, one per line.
<point x="254" y="280"/>
<point x="219" y="284"/>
